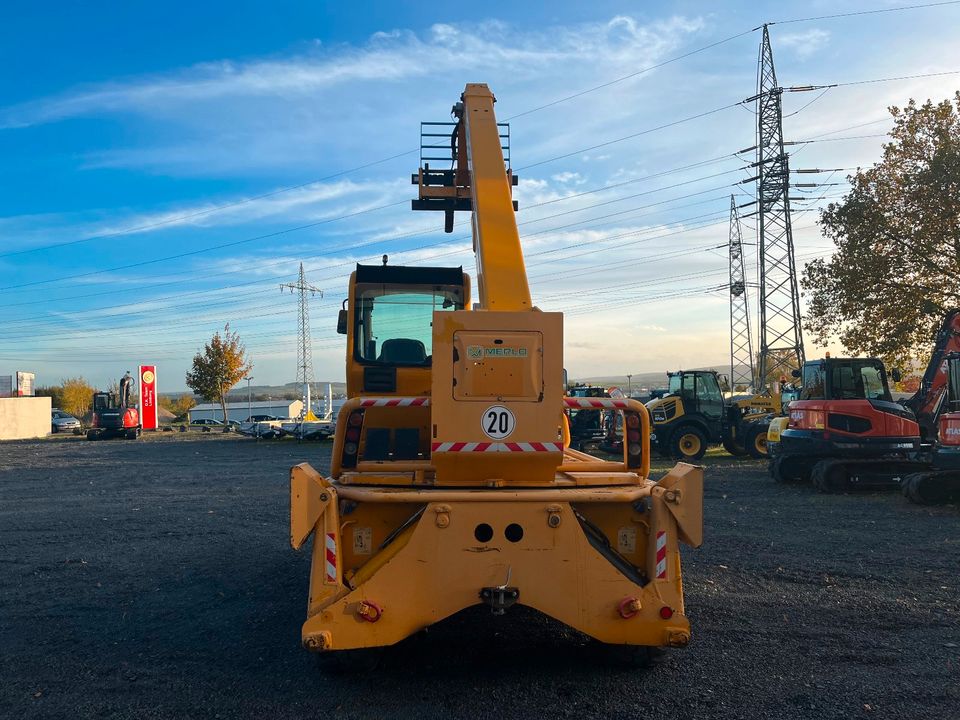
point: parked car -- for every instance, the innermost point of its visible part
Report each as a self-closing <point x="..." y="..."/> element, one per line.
<point x="205" y="421"/>
<point x="262" y="418"/>
<point x="63" y="422"/>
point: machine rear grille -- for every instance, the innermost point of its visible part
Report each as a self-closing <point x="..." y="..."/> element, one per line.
<point x="380" y="379"/>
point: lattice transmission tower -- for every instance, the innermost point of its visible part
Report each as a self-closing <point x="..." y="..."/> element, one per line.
<point x="781" y="340"/>
<point x="741" y="341"/>
<point x="304" y="353"/>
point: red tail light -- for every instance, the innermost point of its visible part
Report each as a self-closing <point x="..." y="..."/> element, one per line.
<point x="351" y="439"/>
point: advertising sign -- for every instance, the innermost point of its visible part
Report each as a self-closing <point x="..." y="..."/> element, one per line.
<point x="148" y="397"/>
<point x="25" y="383"/>
<point x="6" y="386"/>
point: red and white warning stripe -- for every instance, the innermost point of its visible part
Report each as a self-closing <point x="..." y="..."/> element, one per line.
<point x="331" y="548"/>
<point x="492" y="447"/>
<point x="661" y="554"/>
<point x="578" y="402"/>
<point x="395" y="402"/>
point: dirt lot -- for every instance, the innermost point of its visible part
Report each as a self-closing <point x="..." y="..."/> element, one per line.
<point x="154" y="579"/>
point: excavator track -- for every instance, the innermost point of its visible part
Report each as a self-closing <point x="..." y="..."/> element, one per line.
<point x="935" y="487"/>
<point x="832" y="476"/>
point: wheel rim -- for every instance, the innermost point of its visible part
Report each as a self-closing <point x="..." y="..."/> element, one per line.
<point x="689" y="444"/>
<point x="760" y="443"/>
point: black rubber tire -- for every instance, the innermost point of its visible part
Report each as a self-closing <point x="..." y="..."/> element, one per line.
<point x="732" y="447"/>
<point x="928" y="488"/>
<point x="688" y="443"/>
<point x="348" y="662"/>
<point x="830" y="476"/>
<point x="91" y="434"/>
<point x="757" y="436"/>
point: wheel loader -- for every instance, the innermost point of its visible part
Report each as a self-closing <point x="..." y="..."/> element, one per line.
<point x="694" y="414"/>
<point x="452" y="482"/>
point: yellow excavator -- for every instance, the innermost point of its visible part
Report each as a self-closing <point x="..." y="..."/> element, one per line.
<point x="452" y="482"/>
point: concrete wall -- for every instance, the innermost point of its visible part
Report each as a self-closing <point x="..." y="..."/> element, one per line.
<point x="24" y="417"/>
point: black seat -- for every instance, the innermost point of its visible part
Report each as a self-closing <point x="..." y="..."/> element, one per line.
<point x="403" y="350"/>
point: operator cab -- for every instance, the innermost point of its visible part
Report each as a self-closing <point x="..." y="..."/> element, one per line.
<point x="845" y="379"/>
<point x="389" y="325"/>
<point x="699" y="390"/>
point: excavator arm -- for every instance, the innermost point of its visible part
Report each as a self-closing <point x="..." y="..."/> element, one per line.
<point x="927" y="402"/>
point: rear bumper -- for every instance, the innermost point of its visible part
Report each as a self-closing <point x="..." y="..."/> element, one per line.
<point x="562" y="566"/>
<point x="820" y="443"/>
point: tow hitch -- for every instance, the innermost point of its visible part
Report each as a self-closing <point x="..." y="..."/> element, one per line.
<point x="499" y="598"/>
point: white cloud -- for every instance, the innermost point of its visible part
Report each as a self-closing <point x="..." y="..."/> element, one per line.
<point x="387" y="57"/>
<point x="804" y="44"/>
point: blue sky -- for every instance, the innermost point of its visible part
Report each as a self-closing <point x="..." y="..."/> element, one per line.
<point x="138" y="132"/>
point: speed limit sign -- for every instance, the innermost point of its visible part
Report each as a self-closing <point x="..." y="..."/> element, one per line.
<point x="498" y="422"/>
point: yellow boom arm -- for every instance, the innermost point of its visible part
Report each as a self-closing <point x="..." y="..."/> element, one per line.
<point x="482" y="180"/>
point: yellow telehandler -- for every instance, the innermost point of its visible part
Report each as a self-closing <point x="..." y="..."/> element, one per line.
<point x="452" y="482"/>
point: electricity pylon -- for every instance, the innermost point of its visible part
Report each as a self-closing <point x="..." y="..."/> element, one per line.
<point x="304" y="353"/>
<point x="741" y="341"/>
<point x="781" y="340"/>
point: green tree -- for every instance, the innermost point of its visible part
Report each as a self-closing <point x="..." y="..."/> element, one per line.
<point x="893" y="274"/>
<point x="179" y="406"/>
<point x="54" y="392"/>
<point x="218" y="367"/>
<point x="76" y="396"/>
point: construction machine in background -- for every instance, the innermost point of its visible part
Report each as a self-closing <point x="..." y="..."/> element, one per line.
<point x="927" y="402"/>
<point x="939" y="482"/>
<point x="112" y="415"/>
<point x="694" y="415"/>
<point x="845" y="431"/>
<point x="452" y="482"/>
<point x="588" y="426"/>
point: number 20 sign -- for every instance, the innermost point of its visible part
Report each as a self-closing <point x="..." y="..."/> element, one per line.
<point x="498" y="422"/>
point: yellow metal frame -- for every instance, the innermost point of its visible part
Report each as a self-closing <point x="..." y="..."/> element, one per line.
<point x="555" y="567"/>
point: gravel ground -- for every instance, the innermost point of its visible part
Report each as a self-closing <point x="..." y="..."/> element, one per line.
<point x="153" y="579"/>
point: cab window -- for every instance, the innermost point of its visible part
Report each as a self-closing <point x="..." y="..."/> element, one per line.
<point x="813" y="382"/>
<point x="873" y="383"/>
<point x="394" y="325"/>
<point x="710" y="389"/>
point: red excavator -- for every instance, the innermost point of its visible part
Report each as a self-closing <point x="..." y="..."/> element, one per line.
<point x="940" y="482"/>
<point x="927" y="402"/>
<point x="112" y="415"/>
<point x="845" y="430"/>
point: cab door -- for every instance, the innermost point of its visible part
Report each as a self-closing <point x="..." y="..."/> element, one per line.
<point x="710" y="402"/>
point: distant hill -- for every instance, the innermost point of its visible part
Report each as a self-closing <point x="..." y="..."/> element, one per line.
<point x="239" y="392"/>
<point x="649" y="380"/>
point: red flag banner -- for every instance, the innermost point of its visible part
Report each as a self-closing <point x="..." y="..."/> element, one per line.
<point x="148" y="397"/>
